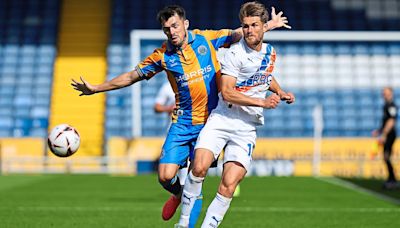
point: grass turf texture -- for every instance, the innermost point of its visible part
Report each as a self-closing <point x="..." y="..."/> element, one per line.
<point x="122" y="201"/>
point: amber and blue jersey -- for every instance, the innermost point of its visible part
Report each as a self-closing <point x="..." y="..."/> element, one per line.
<point x="192" y="72"/>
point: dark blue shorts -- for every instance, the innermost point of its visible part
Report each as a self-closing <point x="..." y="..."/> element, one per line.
<point x="179" y="144"/>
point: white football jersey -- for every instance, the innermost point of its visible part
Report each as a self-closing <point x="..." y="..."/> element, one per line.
<point x="166" y="95"/>
<point x="253" y="72"/>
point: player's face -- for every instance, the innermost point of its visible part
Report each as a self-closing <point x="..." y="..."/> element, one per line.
<point x="176" y="29"/>
<point x="387" y="94"/>
<point x="253" y="30"/>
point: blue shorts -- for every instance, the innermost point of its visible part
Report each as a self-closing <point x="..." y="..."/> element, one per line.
<point x="179" y="144"/>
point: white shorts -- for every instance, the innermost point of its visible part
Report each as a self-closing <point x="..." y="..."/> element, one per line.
<point x="220" y="133"/>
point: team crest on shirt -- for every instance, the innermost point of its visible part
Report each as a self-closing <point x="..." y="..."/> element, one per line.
<point x="202" y="50"/>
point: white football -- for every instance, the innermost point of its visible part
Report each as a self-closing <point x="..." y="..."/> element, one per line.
<point x="63" y="140"/>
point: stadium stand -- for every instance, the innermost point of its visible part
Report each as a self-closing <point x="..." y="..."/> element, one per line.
<point x="28" y="32"/>
<point x="82" y="42"/>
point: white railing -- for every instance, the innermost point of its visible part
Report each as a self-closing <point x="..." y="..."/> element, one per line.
<point x="34" y="164"/>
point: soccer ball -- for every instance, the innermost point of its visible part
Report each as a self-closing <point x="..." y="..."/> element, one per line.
<point x="63" y="140"/>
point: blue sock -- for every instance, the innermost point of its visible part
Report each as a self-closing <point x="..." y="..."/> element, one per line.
<point x="195" y="213"/>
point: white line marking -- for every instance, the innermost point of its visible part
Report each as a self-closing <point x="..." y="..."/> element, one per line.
<point x="238" y="209"/>
<point x="351" y="186"/>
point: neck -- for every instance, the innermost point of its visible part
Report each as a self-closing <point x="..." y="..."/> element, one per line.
<point x="256" y="47"/>
<point x="184" y="42"/>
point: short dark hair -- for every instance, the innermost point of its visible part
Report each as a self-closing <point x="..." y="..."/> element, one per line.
<point x="253" y="9"/>
<point x="169" y="11"/>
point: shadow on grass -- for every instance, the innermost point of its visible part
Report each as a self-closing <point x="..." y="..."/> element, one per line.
<point x="375" y="185"/>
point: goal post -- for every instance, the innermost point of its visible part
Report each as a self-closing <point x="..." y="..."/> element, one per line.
<point x="140" y="49"/>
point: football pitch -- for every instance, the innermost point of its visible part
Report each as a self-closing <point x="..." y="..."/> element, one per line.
<point x="126" y="201"/>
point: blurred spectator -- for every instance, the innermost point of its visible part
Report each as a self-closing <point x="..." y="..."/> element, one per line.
<point x="387" y="135"/>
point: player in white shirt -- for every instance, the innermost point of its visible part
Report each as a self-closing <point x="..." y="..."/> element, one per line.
<point x="246" y="76"/>
<point x="165" y="100"/>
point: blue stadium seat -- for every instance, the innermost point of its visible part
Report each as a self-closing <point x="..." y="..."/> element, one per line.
<point x="6" y="122"/>
<point x="360" y="49"/>
<point x="394" y="49"/>
<point x="38" y="132"/>
<point x="40" y="123"/>
<point x="40" y="112"/>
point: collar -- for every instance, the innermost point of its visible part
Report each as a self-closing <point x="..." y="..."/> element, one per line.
<point x="250" y="50"/>
<point x="191" y="38"/>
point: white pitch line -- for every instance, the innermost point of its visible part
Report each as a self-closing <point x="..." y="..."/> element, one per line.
<point x="356" y="188"/>
<point x="238" y="209"/>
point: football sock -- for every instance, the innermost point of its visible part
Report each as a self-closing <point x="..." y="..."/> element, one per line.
<point x="190" y="193"/>
<point x="173" y="186"/>
<point x="195" y="213"/>
<point x="182" y="174"/>
<point x="216" y="211"/>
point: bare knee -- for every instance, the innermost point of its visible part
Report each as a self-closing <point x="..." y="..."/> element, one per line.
<point x="202" y="161"/>
<point x="227" y="190"/>
<point x="166" y="173"/>
<point x="199" y="171"/>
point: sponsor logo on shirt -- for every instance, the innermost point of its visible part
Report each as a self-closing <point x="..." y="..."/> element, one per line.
<point x="256" y="80"/>
<point x="195" y="76"/>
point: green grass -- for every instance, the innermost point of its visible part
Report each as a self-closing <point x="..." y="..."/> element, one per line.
<point x="375" y="185"/>
<point x="121" y="201"/>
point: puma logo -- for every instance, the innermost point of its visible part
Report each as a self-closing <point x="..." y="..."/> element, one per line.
<point x="186" y="202"/>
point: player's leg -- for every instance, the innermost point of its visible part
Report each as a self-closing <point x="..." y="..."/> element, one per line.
<point x="174" y="154"/>
<point x="237" y="160"/>
<point x="198" y="204"/>
<point x="208" y="147"/>
<point x="194" y="183"/>
<point x="232" y="174"/>
<point x="387" y="152"/>
<point x="196" y="211"/>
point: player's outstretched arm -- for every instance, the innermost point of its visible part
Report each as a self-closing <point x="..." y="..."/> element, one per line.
<point x="276" y="21"/>
<point x="122" y="80"/>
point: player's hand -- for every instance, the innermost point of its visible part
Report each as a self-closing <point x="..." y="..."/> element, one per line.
<point x="170" y="109"/>
<point x="375" y="133"/>
<point x="85" y="87"/>
<point x="382" y="140"/>
<point x="271" y="101"/>
<point x="288" y="97"/>
<point x="277" y="20"/>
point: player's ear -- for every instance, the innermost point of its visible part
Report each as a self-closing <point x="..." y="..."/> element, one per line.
<point x="186" y="23"/>
<point x="265" y="27"/>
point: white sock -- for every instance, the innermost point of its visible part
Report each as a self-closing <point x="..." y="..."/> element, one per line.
<point x="216" y="211"/>
<point x="182" y="174"/>
<point x="191" y="191"/>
